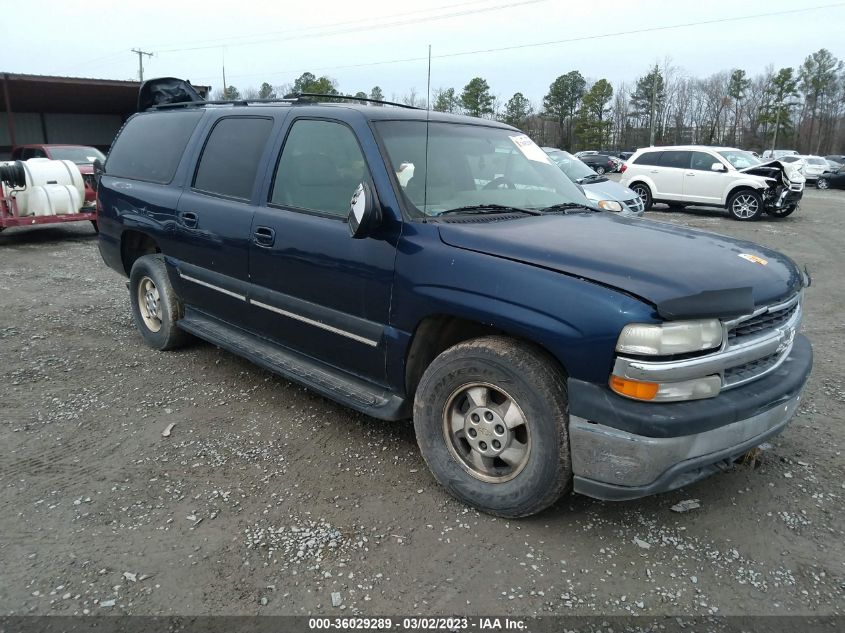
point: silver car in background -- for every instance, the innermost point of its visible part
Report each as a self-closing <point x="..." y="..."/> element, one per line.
<point x="604" y="193"/>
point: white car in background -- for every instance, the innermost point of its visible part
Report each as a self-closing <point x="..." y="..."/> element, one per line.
<point x="682" y="175"/>
<point x="814" y="166"/>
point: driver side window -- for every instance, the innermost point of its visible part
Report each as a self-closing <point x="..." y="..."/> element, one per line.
<point x="320" y="166"/>
<point x="702" y="162"/>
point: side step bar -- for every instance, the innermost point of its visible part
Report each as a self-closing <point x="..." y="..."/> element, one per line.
<point x="352" y="392"/>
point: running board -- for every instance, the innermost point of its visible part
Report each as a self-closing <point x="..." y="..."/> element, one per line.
<point x="352" y="392"/>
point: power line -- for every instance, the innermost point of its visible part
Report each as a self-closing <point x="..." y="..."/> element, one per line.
<point x="651" y="29"/>
<point x="357" y="29"/>
<point x="321" y="26"/>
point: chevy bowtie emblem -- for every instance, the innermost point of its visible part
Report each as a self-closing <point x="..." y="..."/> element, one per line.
<point x="754" y="258"/>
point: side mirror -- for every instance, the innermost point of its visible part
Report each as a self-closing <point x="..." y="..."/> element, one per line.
<point x="364" y="212"/>
<point x="99" y="170"/>
<point x="717" y="167"/>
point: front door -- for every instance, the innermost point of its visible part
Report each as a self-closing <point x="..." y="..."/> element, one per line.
<point x="701" y="183"/>
<point x="214" y="218"/>
<point x="314" y="288"/>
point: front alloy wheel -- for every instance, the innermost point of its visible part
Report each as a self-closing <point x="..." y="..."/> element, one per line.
<point x="746" y="205"/>
<point x="823" y="183"/>
<point x="486" y="431"/>
<point x="491" y="419"/>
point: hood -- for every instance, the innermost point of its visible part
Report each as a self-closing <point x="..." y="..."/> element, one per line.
<point x="654" y="261"/>
<point x="772" y="168"/>
<point x="607" y="190"/>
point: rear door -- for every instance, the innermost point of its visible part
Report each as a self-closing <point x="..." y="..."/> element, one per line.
<point x="670" y="177"/>
<point x="315" y="289"/>
<point x="701" y="183"/>
<point x="214" y="217"/>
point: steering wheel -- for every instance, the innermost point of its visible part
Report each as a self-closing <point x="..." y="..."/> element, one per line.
<point x="497" y="183"/>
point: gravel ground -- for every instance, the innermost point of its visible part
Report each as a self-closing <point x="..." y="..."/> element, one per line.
<point x="268" y="499"/>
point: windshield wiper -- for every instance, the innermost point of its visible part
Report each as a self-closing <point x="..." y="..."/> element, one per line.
<point x="592" y="178"/>
<point x="488" y="208"/>
<point x="567" y="207"/>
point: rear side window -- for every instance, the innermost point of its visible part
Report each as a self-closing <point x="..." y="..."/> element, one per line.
<point x="680" y="160"/>
<point x="231" y="155"/>
<point x="648" y="158"/>
<point x="151" y="145"/>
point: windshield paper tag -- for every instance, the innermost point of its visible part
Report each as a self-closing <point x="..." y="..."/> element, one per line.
<point x="530" y="149"/>
<point x="754" y="258"/>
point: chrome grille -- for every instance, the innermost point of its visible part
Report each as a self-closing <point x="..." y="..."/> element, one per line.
<point x="635" y="204"/>
<point x="766" y="321"/>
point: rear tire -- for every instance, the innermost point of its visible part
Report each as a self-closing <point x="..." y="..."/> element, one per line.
<point x="644" y="193"/>
<point x="491" y="419"/>
<point x="745" y="205"/>
<point x="155" y="306"/>
<point x="600" y="170"/>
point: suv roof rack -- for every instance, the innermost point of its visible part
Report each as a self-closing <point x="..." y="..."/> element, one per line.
<point x="298" y="96"/>
<point x="301" y="98"/>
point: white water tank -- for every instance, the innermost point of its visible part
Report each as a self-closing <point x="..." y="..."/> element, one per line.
<point x="48" y="188"/>
<point x="53" y="200"/>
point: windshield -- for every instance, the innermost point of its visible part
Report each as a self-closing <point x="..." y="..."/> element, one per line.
<point x="740" y="159"/>
<point x="79" y="155"/>
<point x="571" y="166"/>
<point x="473" y="165"/>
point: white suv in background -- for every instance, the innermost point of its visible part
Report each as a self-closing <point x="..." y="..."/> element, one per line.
<point x="737" y="180"/>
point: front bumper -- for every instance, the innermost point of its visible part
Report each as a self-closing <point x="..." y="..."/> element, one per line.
<point x="624" y="449"/>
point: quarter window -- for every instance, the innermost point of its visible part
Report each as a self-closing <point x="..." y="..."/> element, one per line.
<point x="231" y="155"/>
<point x="679" y="160"/>
<point x="319" y="168"/>
<point x="151" y="145"/>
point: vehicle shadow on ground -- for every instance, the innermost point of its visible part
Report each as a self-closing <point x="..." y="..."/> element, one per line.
<point x="38" y="235"/>
<point x="662" y="211"/>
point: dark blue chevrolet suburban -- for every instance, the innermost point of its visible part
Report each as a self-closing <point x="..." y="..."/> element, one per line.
<point x="412" y="264"/>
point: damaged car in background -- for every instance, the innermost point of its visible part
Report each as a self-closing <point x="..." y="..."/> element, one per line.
<point x="684" y="175"/>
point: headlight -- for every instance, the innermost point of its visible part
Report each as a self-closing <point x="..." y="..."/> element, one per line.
<point x="609" y="205"/>
<point x="679" y="337"/>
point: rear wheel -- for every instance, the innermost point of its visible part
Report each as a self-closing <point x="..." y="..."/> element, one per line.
<point x="599" y="170"/>
<point x="644" y="193"/>
<point x="745" y="205"/>
<point x="491" y="419"/>
<point x="155" y="306"/>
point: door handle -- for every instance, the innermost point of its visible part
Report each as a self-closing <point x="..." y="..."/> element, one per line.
<point x="655" y="171"/>
<point x="189" y="219"/>
<point x="264" y="236"/>
<point x="690" y="173"/>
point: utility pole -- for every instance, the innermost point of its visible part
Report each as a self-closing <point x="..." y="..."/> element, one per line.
<point x="141" y="54"/>
<point x="653" y="100"/>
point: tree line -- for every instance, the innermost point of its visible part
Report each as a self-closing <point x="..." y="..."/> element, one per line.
<point x="800" y="108"/>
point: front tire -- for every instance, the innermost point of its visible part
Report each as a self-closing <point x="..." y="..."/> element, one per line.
<point x="155" y="306"/>
<point x="782" y="213"/>
<point x="822" y="183"/>
<point x="491" y="419"/>
<point x="745" y="205"/>
<point x="644" y="193"/>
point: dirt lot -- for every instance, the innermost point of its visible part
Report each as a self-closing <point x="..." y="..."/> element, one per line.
<point x="267" y="498"/>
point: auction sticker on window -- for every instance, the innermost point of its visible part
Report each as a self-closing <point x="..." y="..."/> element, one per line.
<point x="530" y="149"/>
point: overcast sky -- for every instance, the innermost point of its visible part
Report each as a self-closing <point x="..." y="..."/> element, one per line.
<point x="277" y="41"/>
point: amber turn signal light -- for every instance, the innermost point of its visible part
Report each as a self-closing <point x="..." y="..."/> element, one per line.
<point x="634" y="388"/>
